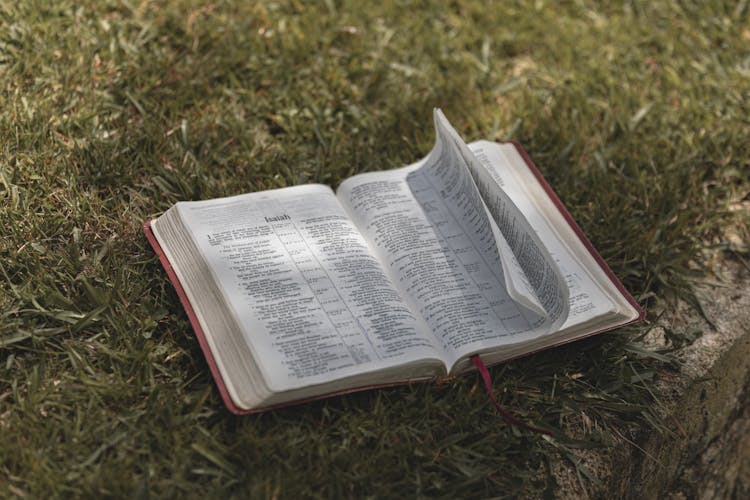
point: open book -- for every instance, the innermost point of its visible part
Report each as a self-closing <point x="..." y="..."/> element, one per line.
<point x="401" y="275"/>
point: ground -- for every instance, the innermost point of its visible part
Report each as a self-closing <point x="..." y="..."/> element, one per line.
<point x="111" y="111"/>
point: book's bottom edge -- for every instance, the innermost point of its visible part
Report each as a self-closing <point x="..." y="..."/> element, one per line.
<point x="238" y="410"/>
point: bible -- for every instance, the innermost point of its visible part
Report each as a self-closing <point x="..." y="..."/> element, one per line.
<point x="402" y="275"/>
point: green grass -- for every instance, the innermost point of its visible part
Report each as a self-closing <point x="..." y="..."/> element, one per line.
<point x="111" y="111"/>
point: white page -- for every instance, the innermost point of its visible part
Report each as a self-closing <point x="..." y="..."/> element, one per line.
<point x="532" y="277"/>
<point x="443" y="245"/>
<point x="313" y="302"/>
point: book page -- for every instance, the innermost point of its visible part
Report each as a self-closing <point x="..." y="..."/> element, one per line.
<point x="313" y="302"/>
<point x="475" y="286"/>
<point x="532" y="275"/>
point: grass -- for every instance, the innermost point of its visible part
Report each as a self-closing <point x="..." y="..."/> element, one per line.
<point x="111" y="111"/>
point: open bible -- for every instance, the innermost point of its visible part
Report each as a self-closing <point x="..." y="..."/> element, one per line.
<point x="401" y="275"/>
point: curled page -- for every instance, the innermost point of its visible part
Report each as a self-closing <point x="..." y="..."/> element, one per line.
<point x="531" y="277"/>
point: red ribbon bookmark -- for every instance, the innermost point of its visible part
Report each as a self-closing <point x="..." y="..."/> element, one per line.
<point x="503" y="413"/>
